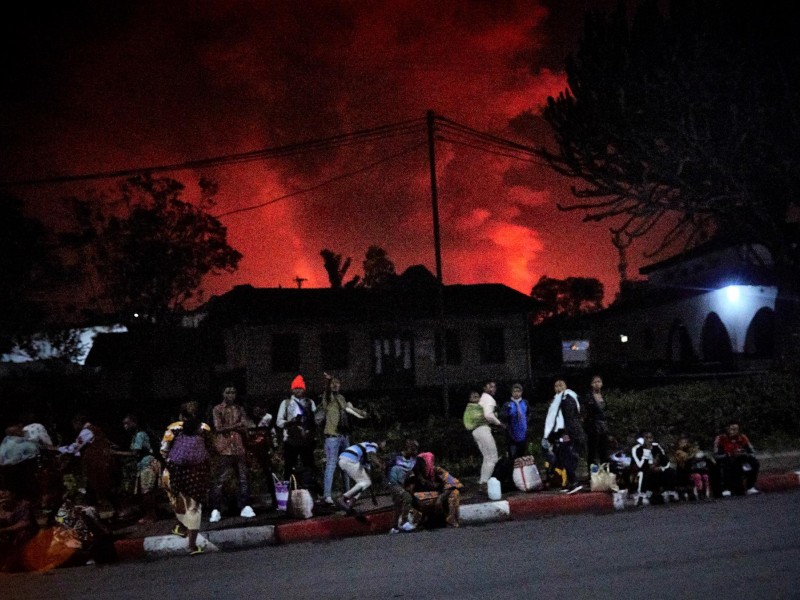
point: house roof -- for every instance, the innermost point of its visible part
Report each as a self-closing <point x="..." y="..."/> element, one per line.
<point x="414" y="294"/>
<point x="146" y="346"/>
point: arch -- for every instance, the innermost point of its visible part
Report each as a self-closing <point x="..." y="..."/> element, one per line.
<point x="680" y="349"/>
<point x="760" y="339"/>
<point x="716" y="343"/>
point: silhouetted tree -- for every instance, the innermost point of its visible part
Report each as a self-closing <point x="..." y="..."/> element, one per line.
<point x="336" y="269"/>
<point x="378" y="269"/>
<point x="23" y="253"/>
<point x="150" y="248"/>
<point x="568" y="297"/>
<point x="686" y="124"/>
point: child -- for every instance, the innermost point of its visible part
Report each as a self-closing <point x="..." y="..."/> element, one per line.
<point x="692" y="468"/>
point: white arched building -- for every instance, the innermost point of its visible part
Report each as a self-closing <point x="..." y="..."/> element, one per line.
<point x="713" y="305"/>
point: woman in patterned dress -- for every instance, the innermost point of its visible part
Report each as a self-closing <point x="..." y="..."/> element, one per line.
<point x="187" y="484"/>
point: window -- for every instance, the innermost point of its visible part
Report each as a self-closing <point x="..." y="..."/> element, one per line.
<point x="393" y="360"/>
<point x="492" y="346"/>
<point x="285" y="352"/>
<point x="335" y="350"/>
<point x="453" y="340"/>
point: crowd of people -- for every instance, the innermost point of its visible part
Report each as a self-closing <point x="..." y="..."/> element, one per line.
<point x="576" y="428"/>
<point x="196" y="465"/>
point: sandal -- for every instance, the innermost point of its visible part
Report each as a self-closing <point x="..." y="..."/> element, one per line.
<point x="178" y="531"/>
<point x="198" y="550"/>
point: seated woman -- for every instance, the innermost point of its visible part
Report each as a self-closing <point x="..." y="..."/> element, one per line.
<point x="79" y="536"/>
<point x="431" y="491"/>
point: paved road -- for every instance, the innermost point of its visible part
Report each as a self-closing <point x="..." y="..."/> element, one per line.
<point x="740" y="548"/>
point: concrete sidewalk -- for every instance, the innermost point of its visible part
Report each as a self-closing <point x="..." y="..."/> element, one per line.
<point x="276" y="527"/>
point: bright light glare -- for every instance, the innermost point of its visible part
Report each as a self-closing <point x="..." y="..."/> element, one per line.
<point x="733" y="293"/>
<point x="623" y="338"/>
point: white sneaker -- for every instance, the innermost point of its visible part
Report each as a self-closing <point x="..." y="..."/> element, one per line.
<point x="393" y="530"/>
<point x="215" y="516"/>
<point x="328" y="501"/>
<point x="407" y="526"/>
<point x="726" y="493"/>
<point x="247" y="512"/>
<point x="753" y="490"/>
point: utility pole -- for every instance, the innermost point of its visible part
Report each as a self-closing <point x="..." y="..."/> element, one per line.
<point x="441" y="330"/>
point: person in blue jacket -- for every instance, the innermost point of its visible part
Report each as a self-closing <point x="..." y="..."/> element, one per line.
<point x="516" y="416"/>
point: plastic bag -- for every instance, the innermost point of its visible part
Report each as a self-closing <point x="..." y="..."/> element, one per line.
<point x="604" y="480"/>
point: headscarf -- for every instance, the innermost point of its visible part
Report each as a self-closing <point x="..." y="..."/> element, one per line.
<point x="427" y="460"/>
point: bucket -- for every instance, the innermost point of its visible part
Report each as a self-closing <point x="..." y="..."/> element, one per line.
<point x="282" y="494"/>
<point x="493" y="488"/>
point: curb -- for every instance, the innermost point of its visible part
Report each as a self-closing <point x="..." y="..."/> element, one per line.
<point x="548" y="506"/>
<point x="486" y="512"/>
<point x="336" y="527"/>
<point x="325" y="528"/>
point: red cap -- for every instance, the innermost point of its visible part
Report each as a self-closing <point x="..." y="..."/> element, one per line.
<point x="298" y="382"/>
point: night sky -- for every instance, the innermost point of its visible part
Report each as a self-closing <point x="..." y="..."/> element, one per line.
<point x="90" y="88"/>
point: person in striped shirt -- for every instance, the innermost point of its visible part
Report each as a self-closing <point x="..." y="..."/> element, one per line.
<point x="357" y="461"/>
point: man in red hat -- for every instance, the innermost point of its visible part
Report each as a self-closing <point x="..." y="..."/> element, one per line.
<point x="296" y="418"/>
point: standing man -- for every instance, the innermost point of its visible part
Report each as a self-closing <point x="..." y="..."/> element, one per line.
<point x="296" y="418"/>
<point x="334" y="412"/>
<point x="563" y="433"/>
<point x="594" y="422"/>
<point x="230" y="425"/>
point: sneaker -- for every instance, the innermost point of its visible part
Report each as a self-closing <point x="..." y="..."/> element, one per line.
<point x="408" y="526"/>
<point x="726" y="493"/>
<point x="574" y="489"/>
<point x="328" y="501"/>
<point x="345" y="504"/>
<point x="215" y="516"/>
<point x="247" y="513"/>
<point x="198" y="550"/>
<point x="752" y="491"/>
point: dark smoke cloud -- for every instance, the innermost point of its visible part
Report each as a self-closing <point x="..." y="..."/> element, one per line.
<point x="99" y="89"/>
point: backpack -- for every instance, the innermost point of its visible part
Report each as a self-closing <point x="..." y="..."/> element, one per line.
<point x="188" y="450"/>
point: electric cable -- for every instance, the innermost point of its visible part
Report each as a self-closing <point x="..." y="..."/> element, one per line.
<point x="339" y="177"/>
<point x="340" y="140"/>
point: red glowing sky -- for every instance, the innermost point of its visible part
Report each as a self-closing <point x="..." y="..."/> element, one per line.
<point x="97" y="89"/>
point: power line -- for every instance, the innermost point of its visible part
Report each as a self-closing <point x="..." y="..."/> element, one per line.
<point x="488" y="137"/>
<point x="341" y="140"/>
<point x="339" y="177"/>
<point x="489" y="151"/>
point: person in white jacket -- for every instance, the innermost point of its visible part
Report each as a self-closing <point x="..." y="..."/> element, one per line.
<point x="564" y="436"/>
